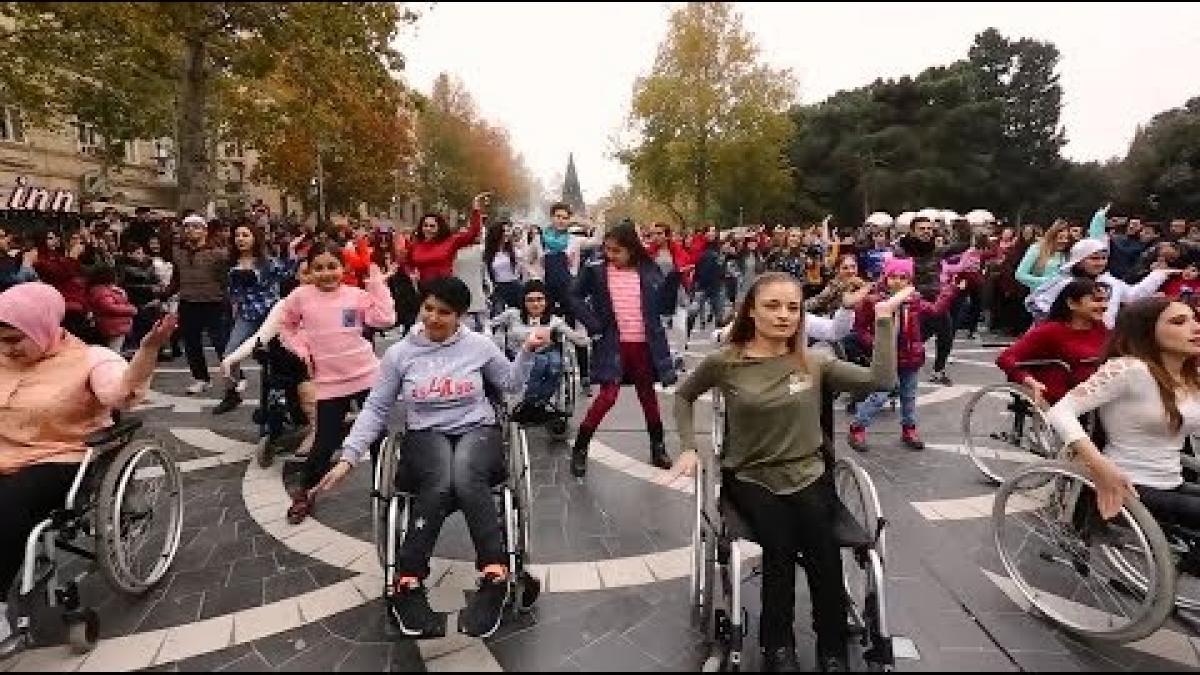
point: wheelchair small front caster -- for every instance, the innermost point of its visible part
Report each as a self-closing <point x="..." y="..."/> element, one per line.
<point x="83" y="630"/>
<point x="529" y="589"/>
<point x="557" y="428"/>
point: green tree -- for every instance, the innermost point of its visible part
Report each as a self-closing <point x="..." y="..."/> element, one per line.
<point x="710" y="120"/>
<point x="1160" y="175"/>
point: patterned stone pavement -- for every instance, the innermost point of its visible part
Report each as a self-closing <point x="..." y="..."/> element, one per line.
<point x="249" y="592"/>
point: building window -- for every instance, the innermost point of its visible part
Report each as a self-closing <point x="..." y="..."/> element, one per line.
<point x="235" y="173"/>
<point x="12" y="129"/>
<point x="89" y="140"/>
<point x="232" y="150"/>
<point x="131" y="152"/>
<point x="164" y="156"/>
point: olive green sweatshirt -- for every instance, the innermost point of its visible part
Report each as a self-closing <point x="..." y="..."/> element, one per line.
<point x="773" y="409"/>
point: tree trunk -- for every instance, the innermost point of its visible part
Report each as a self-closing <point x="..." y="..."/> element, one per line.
<point x="194" y="167"/>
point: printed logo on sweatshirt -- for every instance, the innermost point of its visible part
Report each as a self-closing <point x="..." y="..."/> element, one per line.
<point x="442" y="387"/>
<point x="349" y="318"/>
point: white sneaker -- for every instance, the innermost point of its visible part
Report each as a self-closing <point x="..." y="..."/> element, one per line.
<point x="241" y="386"/>
<point x="198" y="387"/>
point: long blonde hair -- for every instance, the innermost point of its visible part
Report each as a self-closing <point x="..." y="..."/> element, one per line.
<point x="741" y="332"/>
<point x="1047" y="244"/>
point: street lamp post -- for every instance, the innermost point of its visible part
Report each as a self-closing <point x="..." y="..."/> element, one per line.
<point x="320" y="186"/>
<point x="740" y="219"/>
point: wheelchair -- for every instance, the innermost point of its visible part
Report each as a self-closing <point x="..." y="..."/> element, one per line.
<point x="1116" y="580"/>
<point x="391" y="508"/>
<point x="720" y="538"/>
<point x="123" y="514"/>
<point x="562" y="404"/>
<point x="1004" y="428"/>
<point x="281" y="421"/>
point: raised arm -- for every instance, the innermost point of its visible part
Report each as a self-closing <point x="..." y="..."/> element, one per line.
<point x="380" y="308"/>
<point x="507" y="376"/>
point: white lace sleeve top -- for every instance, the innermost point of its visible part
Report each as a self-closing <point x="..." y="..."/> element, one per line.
<point x="1140" y="440"/>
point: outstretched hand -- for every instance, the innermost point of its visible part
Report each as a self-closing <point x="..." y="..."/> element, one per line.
<point x="161" y="333"/>
<point x="685" y="465"/>
<point x="888" y="306"/>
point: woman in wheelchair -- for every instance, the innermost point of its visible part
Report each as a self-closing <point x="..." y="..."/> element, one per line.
<point x="1073" y="333"/>
<point x="547" y="368"/>
<point x="55" y="391"/>
<point x="1147" y="396"/>
<point x="772" y="467"/>
<point x="452" y="451"/>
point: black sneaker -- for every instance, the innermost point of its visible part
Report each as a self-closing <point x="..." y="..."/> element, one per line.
<point x="658" y="455"/>
<point x="781" y="660"/>
<point x="833" y="664"/>
<point x="941" y="378"/>
<point x="409" y="607"/>
<point x="482" y="616"/>
<point x="230" y="402"/>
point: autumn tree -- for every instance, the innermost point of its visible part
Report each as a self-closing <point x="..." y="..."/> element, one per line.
<point x="710" y="121"/>
<point x="461" y="154"/>
<point x="182" y="69"/>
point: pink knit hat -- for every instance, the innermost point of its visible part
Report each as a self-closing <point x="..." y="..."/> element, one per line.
<point x="37" y="310"/>
<point x="898" y="266"/>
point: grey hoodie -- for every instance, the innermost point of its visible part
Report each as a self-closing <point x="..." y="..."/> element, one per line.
<point x="441" y="384"/>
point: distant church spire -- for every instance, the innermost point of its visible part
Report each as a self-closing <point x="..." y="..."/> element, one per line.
<point x="571" y="192"/>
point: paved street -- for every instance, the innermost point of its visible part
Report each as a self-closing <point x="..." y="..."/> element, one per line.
<point x="249" y="592"/>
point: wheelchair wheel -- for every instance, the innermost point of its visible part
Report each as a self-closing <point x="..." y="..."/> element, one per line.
<point x="521" y="485"/>
<point x="1074" y="568"/>
<point x="139" y="513"/>
<point x="1187" y="586"/>
<point x="1004" y="429"/>
<point x="856" y="489"/>
<point x="383" y="488"/>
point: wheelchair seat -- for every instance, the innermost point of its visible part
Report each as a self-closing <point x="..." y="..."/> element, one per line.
<point x="847" y="531"/>
<point x="118" y="434"/>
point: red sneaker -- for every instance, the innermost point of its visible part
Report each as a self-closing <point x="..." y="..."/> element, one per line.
<point x="910" y="438"/>
<point x="858" y="438"/>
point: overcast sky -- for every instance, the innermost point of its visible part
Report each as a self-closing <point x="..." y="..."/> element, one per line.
<point x="559" y="76"/>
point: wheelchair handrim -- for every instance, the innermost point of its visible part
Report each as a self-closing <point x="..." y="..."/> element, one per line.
<point x="166" y="554"/>
<point x="1150" y="613"/>
<point x="986" y="457"/>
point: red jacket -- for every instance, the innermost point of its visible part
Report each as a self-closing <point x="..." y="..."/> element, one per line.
<point x="66" y="275"/>
<point x="434" y="259"/>
<point x="1081" y="350"/>
<point x="357" y="263"/>
<point x="910" y="343"/>
<point x="1176" y="285"/>
<point x="112" y="310"/>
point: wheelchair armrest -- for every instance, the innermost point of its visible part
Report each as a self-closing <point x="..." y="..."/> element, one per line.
<point x="1042" y="363"/>
<point x="1190" y="462"/>
<point x="117" y="434"/>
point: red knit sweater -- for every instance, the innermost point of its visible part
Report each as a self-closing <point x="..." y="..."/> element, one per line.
<point x="1081" y="349"/>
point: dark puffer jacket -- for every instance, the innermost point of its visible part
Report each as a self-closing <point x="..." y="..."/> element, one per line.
<point x="592" y="304"/>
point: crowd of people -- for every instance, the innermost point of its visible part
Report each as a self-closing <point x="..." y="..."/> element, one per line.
<point x="320" y="296"/>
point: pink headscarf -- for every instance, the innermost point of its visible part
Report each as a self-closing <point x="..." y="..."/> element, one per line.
<point x="37" y="310"/>
<point x="897" y="266"/>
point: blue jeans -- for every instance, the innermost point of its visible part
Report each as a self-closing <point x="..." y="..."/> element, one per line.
<point x="866" y="411"/>
<point x="544" y="376"/>
<point x="242" y="330"/>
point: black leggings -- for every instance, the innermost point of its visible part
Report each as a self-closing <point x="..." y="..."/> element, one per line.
<point x="331" y="419"/>
<point x="1180" y="506"/>
<point x="787" y="524"/>
<point x="26" y="498"/>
